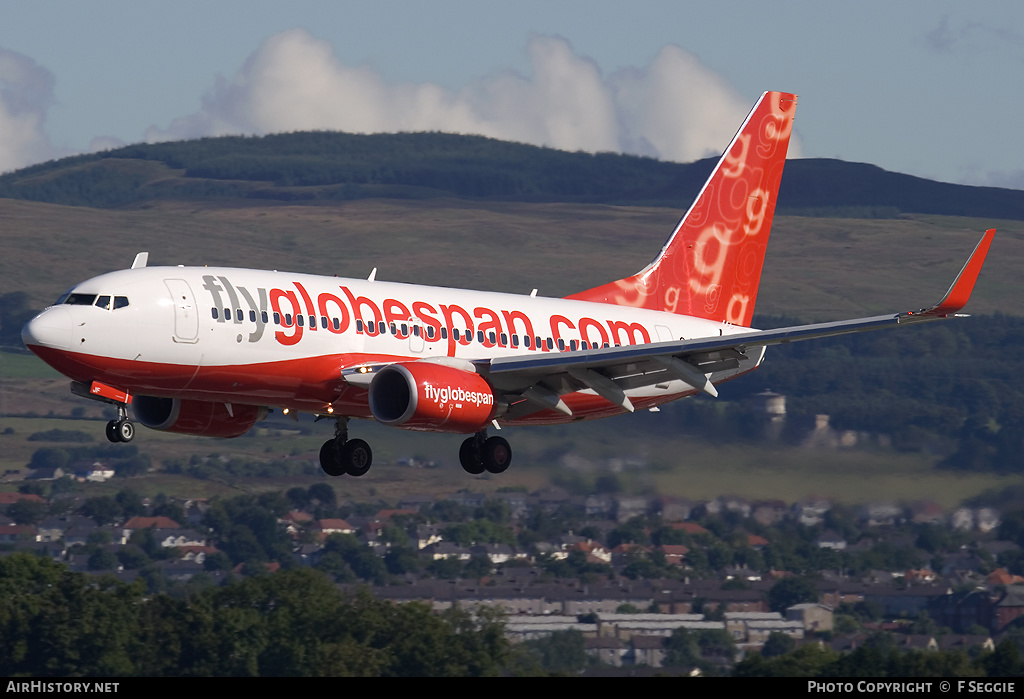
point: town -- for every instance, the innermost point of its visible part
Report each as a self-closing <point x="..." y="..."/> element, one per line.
<point x="590" y="581"/>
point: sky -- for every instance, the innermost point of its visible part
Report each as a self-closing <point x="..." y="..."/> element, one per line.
<point x="931" y="88"/>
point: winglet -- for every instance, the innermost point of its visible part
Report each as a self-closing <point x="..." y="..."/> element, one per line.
<point x="960" y="292"/>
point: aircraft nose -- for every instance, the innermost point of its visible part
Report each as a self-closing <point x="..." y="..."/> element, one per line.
<point x="51" y="328"/>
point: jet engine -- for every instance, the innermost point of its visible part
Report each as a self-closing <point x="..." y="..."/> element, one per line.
<point x="432" y="397"/>
<point x="196" y="417"/>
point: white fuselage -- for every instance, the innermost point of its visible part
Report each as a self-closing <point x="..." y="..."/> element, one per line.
<point x="282" y="339"/>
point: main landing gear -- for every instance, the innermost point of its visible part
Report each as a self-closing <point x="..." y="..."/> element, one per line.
<point x="121" y="429"/>
<point x="342" y="455"/>
<point x="481" y="453"/>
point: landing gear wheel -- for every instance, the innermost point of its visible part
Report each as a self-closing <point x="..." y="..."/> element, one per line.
<point x="497" y="455"/>
<point x="120" y="431"/>
<point x="125" y="431"/>
<point x="329" y="461"/>
<point x="355" y="456"/>
<point x="470" y="457"/>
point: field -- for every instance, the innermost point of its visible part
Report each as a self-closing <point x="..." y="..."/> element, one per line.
<point x="816" y="268"/>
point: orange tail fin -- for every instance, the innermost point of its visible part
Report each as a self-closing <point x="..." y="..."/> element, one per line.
<point x="711" y="265"/>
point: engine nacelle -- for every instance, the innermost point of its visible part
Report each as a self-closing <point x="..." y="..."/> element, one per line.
<point x="196" y="416"/>
<point x="432" y="397"/>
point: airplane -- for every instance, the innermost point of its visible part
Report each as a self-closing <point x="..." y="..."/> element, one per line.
<point x="208" y="351"/>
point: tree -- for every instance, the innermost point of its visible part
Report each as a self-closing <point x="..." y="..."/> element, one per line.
<point x="789" y="591"/>
<point x="26" y="511"/>
<point x="778" y="643"/>
<point x="561" y="652"/>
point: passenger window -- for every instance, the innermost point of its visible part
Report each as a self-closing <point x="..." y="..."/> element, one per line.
<point x="323" y="322"/>
<point x="252" y="316"/>
<point x="301" y="320"/>
<point x="288" y="320"/>
<point x="238" y="315"/>
<point x="359" y="325"/>
<point x="214" y="312"/>
<point x="277" y="318"/>
<point x="337" y="324"/>
<point x="312" y="321"/>
<point x="561" y="344"/>
<point x="515" y="340"/>
<point x="263" y="317"/>
<point x="444" y="334"/>
<point x="382" y="327"/>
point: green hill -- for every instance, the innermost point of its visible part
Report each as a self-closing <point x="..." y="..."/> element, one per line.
<point x="316" y="167"/>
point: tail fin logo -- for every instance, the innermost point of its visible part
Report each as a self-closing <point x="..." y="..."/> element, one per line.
<point x="711" y="265"/>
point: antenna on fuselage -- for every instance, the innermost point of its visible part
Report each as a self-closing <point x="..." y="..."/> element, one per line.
<point x="140" y="260"/>
<point x="373" y="275"/>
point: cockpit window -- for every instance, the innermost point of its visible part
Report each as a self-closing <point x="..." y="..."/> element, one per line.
<point x="120" y="302"/>
<point x="103" y="302"/>
<point x="80" y="299"/>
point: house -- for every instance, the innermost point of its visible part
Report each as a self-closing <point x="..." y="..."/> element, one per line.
<point x="92" y="471"/>
<point x="176" y="538"/>
<point x="675" y="554"/>
<point x="444" y="550"/>
<point x="1009" y="607"/>
<point x="691" y="528"/>
<point x="608" y="650"/>
<point x="769" y="512"/>
<point x="831" y="540"/>
<point x="11" y="498"/>
<point x="12" y="533"/>
<point x="496" y="553"/>
<point x="814" y="617"/>
<point x="811" y="512"/>
<point x="427" y="534"/>
<point x="326" y="527"/>
<point x="646" y="650"/>
<point x="966" y="642"/>
<point x="927" y="512"/>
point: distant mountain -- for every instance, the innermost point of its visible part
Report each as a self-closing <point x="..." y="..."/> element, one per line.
<point x="315" y="167"/>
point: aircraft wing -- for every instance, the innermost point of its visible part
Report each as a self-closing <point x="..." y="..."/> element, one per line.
<point x="541" y="378"/>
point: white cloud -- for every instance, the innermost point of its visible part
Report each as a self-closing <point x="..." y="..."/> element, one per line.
<point x="26" y="93"/>
<point x="673" y="109"/>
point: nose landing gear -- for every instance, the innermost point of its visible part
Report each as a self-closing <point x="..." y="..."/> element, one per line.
<point x="121" y="429"/>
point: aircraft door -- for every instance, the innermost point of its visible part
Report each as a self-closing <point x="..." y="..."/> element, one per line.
<point x="186" y="315"/>
<point x="415" y="336"/>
